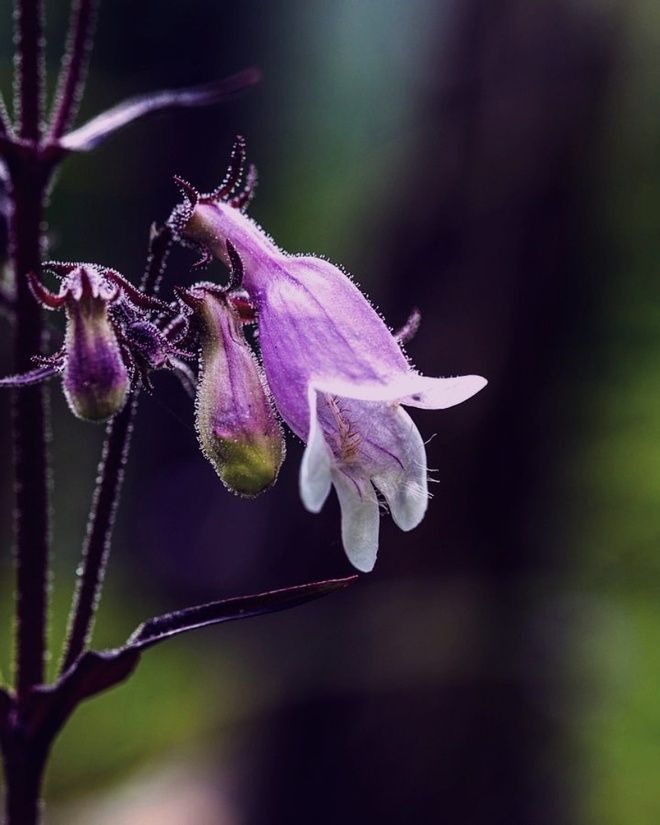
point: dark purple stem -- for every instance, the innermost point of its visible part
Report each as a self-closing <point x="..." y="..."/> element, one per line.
<point x="24" y="761"/>
<point x="29" y="178"/>
<point x="29" y="68"/>
<point x="108" y="489"/>
<point x="30" y="427"/>
<point x="24" y="754"/>
<point x="160" y="243"/>
<point x="74" y="67"/>
<point x="99" y="532"/>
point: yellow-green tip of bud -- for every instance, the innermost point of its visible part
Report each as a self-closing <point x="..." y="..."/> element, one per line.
<point x="96" y="402"/>
<point x="246" y="467"/>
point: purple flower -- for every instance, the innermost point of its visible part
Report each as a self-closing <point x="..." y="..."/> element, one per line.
<point x="338" y="375"/>
<point x="237" y="428"/>
<point x="109" y="347"/>
<point x="95" y="378"/>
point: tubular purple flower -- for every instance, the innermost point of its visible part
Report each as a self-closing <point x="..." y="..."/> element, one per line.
<point x="95" y="380"/>
<point x="95" y="377"/>
<point x="236" y="425"/>
<point x="337" y="374"/>
<point x="109" y="343"/>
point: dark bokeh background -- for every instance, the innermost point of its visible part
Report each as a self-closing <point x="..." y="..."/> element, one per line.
<point x="492" y="162"/>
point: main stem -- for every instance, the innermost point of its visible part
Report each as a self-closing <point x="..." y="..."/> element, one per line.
<point x="30" y="428"/>
<point x="24" y="754"/>
<point x="24" y="763"/>
<point x="29" y="178"/>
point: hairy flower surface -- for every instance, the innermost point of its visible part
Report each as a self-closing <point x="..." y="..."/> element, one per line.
<point x="109" y="344"/>
<point x="336" y="372"/>
<point x="236" y="425"/>
<point x="95" y="377"/>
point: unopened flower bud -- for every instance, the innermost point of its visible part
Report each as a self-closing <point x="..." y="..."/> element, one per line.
<point x="95" y="380"/>
<point x="237" y="427"/>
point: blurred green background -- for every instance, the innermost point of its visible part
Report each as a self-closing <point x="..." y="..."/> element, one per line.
<point x="497" y="164"/>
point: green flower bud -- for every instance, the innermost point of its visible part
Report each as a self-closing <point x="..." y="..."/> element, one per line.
<point x="236" y="424"/>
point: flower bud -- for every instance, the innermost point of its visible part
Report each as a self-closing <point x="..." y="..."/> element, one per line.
<point x="95" y="380"/>
<point x="237" y="427"/>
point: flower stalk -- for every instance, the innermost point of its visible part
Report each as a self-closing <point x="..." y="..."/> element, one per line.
<point x="29" y="67"/>
<point x="99" y="532"/>
<point x="107" y="492"/>
<point x="74" y="65"/>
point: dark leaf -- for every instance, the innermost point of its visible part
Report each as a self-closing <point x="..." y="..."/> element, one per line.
<point x="95" y="671"/>
<point x="95" y="131"/>
<point x="242" y="607"/>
